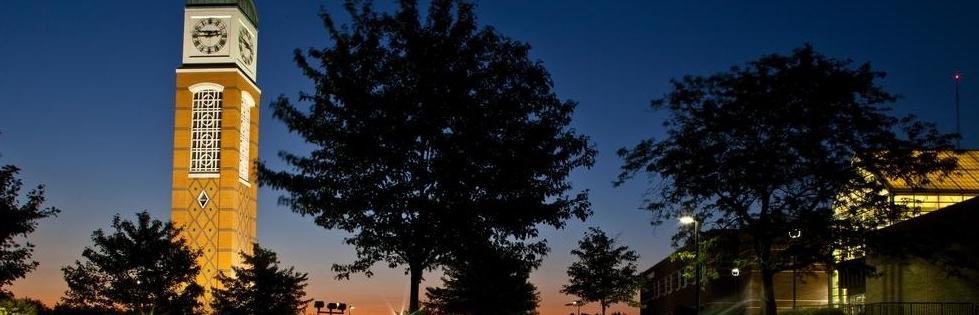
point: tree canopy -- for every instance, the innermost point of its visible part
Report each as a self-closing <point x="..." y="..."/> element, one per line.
<point x="487" y="280"/>
<point x="141" y="267"/>
<point x="261" y="287"/>
<point x="18" y="219"/>
<point x="425" y="133"/>
<point x="603" y="272"/>
<point x="787" y="144"/>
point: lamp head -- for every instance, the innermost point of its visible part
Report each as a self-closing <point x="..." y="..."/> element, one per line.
<point x="687" y="220"/>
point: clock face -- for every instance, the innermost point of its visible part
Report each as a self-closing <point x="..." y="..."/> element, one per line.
<point x="209" y="35"/>
<point x="246" y="46"/>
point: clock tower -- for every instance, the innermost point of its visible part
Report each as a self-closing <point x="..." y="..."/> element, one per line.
<point x="215" y="137"/>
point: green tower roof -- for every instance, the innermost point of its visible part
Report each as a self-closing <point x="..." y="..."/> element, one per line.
<point x="246" y="6"/>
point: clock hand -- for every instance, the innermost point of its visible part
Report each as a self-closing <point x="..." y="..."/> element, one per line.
<point x="209" y="33"/>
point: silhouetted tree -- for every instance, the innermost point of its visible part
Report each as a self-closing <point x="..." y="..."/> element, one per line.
<point x="260" y="287"/>
<point x="25" y="306"/>
<point x="604" y="271"/>
<point x="142" y="267"/>
<point x="786" y="144"/>
<point x="65" y="309"/>
<point x="18" y="220"/>
<point x="426" y="133"/>
<point x="488" y="280"/>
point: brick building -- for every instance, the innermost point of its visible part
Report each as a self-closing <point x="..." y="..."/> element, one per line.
<point x="669" y="292"/>
<point x="920" y="269"/>
<point x="937" y="261"/>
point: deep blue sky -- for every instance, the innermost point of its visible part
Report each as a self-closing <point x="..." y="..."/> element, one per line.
<point x="86" y="102"/>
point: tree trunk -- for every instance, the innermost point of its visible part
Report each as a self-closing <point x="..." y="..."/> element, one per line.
<point x="768" y="305"/>
<point x="416" y="279"/>
<point x="603" y="308"/>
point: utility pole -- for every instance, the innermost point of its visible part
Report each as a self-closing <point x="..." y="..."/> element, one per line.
<point x="957" y="76"/>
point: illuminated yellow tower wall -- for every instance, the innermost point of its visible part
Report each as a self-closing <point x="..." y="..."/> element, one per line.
<point x="215" y="140"/>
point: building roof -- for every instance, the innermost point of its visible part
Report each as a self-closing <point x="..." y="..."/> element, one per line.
<point x="246" y="6"/>
<point x="965" y="179"/>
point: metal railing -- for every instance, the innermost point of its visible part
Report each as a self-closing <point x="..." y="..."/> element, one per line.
<point x="910" y="308"/>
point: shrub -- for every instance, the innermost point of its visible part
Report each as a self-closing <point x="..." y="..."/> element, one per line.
<point x="22" y="307"/>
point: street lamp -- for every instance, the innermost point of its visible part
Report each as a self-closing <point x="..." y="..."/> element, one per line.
<point x="794" y="234"/>
<point x="331" y="308"/>
<point x="576" y="303"/>
<point x="687" y="220"/>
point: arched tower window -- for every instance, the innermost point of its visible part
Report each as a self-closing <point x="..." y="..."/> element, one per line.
<point x="205" y="130"/>
<point x="244" y="160"/>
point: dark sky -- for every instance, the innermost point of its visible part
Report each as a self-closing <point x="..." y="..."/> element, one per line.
<point x="86" y="103"/>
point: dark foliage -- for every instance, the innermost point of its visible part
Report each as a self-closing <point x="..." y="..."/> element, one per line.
<point x="604" y="272"/>
<point x="23" y="306"/>
<point x="260" y="287"/>
<point x="141" y="267"/>
<point x="18" y="220"/>
<point x="427" y="132"/>
<point x="65" y="309"/>
<point x="487" y="280"/>
<point x="785" y="144"/>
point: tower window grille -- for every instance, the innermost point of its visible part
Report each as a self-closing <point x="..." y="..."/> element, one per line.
<point x="205" y="148"/>
<point x="243" y="141"/>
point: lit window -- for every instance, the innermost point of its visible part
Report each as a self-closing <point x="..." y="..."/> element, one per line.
<point x="205" y="130"/>
<point x="245" y="133"/>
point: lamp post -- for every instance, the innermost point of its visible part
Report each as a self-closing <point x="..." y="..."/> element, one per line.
<point x="576" y="303"/>
<point x="686" y="220"/>
<point x="139" y="287"/>
<point x="794" y="234"/>
<point x="331" y="308"/>
<point x="142" y="303"/>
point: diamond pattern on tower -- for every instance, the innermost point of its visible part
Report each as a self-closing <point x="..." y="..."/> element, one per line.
<point x="202" y="228"/>
<point x="245" y="217"/>
<point x="202" y="199"/>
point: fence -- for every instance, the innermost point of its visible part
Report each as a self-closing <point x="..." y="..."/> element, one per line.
<point x="910" y="308"/>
